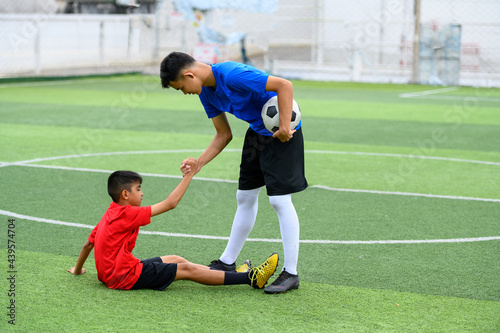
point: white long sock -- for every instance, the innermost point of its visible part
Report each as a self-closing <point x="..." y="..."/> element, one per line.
<point x="244" y="220"/>
<point x="290" y="229"/>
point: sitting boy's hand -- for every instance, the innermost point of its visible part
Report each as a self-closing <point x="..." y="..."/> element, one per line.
<point x="74" y="272"/>
<point x="189" y="166"/>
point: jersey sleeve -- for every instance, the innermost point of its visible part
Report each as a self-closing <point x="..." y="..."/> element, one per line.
<point x="93" y="233"/>
<point x="138" y="216"/>
<point x="210" y="110"/>
<point x="247" y="79"/>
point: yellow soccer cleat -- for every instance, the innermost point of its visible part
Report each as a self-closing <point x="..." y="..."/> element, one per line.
<point x="260" y="274"/>
<point x="246" y="267"/>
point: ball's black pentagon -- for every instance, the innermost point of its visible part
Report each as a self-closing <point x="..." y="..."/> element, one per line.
<point x="275" y="128"/>
<point x="294" y="115"/>
<point x="271" y="111"/>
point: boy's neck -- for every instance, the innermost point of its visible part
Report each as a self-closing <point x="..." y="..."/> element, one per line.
<point x="207" y="75"/>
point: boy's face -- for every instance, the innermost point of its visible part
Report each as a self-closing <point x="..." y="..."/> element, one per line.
<point x="135" y="195"/>
<point x="188" y="84"/>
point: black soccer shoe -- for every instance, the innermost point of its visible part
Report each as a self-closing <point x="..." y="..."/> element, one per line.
<point x="219" y="265"/>
<point x="283" y="283"/>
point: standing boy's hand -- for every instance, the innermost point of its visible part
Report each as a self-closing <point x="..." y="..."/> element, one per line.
<point x="189" y="166"/>
<point x="283" y="135"/>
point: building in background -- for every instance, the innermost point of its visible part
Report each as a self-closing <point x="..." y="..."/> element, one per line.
<point x="343" y="40"/>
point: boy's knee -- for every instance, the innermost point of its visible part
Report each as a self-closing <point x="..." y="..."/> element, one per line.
<point x="247" y="196"/>
<point x="180" y="260"/>
<point x="173" y="259"/>
<point x="186" y="269"/>
<point x="279" y="200"/>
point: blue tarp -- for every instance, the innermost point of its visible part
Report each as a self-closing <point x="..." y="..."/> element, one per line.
<point x="258" y="6"/>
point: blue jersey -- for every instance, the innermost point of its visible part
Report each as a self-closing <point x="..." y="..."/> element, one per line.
<point x="241" y="91"/>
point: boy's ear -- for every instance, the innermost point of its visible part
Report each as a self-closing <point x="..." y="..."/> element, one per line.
<point x="188" y="74"/>
<point x="124" y="195"/>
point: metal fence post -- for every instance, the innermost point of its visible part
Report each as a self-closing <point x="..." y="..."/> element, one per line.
<point x="416" y="39"/>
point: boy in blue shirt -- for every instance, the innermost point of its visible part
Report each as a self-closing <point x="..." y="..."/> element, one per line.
<point x="272" y="160"/>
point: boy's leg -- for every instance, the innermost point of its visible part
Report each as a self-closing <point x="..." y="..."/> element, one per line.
<point x="193" y="272"/>
<point x="205" y="275"/>
<point x="290" y="229"/>
<point x="256" y="277"/>
<point x="173" y="259"/>
<point x="283" y="168"/>
<point x="250" y="183"/>
<point x="159" y="272"/>
<point x="243" y="223"/>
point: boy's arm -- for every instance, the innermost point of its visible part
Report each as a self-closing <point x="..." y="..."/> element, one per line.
<point x="284" y="90"/>
<point x="221" y="139"/>
<point x="82" y="257"/>
<point x="173" y="199"/>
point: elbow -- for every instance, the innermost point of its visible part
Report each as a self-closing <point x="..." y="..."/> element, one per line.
<point x="286" y="86"/>
<point x="229" y="137"/>
<point x="289" y="86"/>
<point x="88" y="245"/>
<point x="225" y="137"/>
<point x="171" y="205"/>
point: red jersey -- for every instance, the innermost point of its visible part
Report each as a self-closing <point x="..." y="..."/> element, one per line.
<point x="114" y="239"/>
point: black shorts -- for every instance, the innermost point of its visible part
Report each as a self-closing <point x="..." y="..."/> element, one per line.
<point x="155" y="274"/>
<point x="268" y="161"/>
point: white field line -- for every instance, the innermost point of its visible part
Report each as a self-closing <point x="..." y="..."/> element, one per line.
<point x="158" y="175"/>
<point x="63" y="82"/>
<point x="53" y="158"/>
<point x="47" y="83"/>
<point x="464" y="98"/>
<point x="63" y="157"/>
<point x="428" y="92"/>
<point x="25" y="163"/>
<point x="436" y="196"/>
<point x="423" y="157"/>
<point x="266" y="240"/>
<point x="417" y="94"/>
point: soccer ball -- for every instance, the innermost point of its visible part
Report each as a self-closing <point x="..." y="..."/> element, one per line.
<point x="271" y="117"/>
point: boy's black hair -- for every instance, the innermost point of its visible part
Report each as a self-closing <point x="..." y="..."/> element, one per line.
<point x="121" y="180"/>
<point x="172" y="65"/>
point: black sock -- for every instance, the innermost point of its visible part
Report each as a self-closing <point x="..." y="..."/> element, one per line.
<point x="236" y="278"/>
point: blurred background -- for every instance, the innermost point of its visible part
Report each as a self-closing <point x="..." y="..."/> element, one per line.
<point x="439" y="42"/>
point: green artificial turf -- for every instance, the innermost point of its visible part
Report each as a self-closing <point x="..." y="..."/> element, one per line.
<point x="430" y="165"/>
<point x="58" y="301"/>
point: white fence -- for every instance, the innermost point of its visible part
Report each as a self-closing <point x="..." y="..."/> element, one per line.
<point x="36" y="46"/>
<point x="349" y="40"/>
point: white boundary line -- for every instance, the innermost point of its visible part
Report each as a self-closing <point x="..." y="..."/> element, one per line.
<point x="266" y="240"/>
<point x="63" y="157"/>
<point x="46" y="83"/>
<point x="43" y="159"/>
<point x="61" y="82"/>
<point x="460" y="98"/>
<point x="423" y="157"/>
<point x="71" y="224"/>
<point x="26" y="163"/>
<point x="218" y="180"/>
<point x="435" y="196"/>
<point x="428" y="92"/>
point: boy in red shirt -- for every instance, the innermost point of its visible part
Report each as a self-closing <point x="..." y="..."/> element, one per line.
<point x="114" y="237"/>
